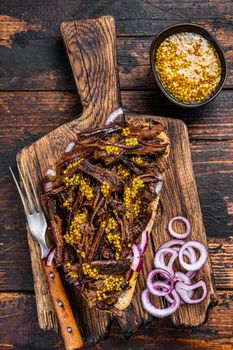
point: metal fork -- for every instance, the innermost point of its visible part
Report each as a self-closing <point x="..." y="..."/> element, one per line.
<point x="34" y="214"/>
<point x="38" y="225"/>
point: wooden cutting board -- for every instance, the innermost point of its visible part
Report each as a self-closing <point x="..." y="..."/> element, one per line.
<point x="91" y="47"/>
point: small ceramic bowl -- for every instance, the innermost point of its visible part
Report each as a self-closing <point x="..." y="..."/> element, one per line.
<point x="194" y="29"/>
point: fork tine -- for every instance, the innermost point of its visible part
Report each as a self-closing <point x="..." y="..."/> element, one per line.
<point x="29" y="197"/>
<point x="20" y="192"/>
<point x="33" y="188"/>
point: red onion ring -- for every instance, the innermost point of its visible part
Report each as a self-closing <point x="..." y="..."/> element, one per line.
<point x="50" y="172"/>
<point x="200" y="262"/>
<point x="160" y="289"/>
<point x="170" y="299"/>
<point x="144" y="241"/>
<point x="137" y="262"/>
<point x="176" y="234"/>
<point x="130" y="275"/>
<point x="50" y="256"/>
<point x="159" y="259"/>
<point x="114" y="115"/>
<point x="171" y="243"/>
<point x="176" y="287"/>
<point x="191" y="274"/>
<point x="159" y="184"/>
<point x="182" y="277"/>
<point x="156" y="312"/>
<point x="69" y="147"/>
<point x="190" y="253"/>
<point x="166" y="285"/>
<point x="183" y="290"/>
<point x="48" y="186"/>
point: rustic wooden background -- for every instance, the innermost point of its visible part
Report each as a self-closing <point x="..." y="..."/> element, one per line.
<point x="37" y="93"/>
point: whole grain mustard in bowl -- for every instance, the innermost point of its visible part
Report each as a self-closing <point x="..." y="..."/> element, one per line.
<point x="188" y="64"/>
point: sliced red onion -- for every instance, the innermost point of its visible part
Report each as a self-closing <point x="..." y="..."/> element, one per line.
<point x="159" y="184"/>
<point x="200" y="262"/>
<point x="182" y="277"/>
<point x="159" y="259"/>
<point x="156" y="286"/>
<point x="172" y="243"/>
<point x="183" y="290"/>
<point x="69" y="147"/>
<point x="176" y="234"/>
<point x="156" y="312"/>
<point x="162" y="274"/>
<point x="190" y="253"/>
<point x="50" y="172"/>
<point x="139" y="267"/>
<point x="114" y="115"/>
<point x="137" y="259"/>
<point x="130" y="274"/>
<point x="176" y="287"/>
<point x="50" y="256"/>
<point x="144" y="241"/>
<point x="170" y="299"/>
<point x="191" y="274"/>
<point x="160" y="288"/>
<point x="48" y="186"/>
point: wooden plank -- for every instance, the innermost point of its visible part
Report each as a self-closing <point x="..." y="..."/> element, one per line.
<point x="34" y="58"/>
<point x="31" y="111"/>
<point x="15" y="266"/>
<point x="212" y="165"/>
<point x="20" y="329"/>
<point x="221" y="251"/>
<point x="91" y="47"/>
<point x="139" y="10"/>
<point x="19" y="326"/>
<point x="41" y="65"/>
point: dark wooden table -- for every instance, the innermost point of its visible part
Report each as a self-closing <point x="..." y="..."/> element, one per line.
<point x="38" y="93"/>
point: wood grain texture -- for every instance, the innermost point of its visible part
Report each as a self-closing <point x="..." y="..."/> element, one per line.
<point x="22" y="332"/>
<point x="36" y="113"/>
<point x="125" y="10"/>
<point x="37" y="60"/>
<point x="91" y="48"/>
<point x="67" y="323"/>
<point x="40" y="63"/>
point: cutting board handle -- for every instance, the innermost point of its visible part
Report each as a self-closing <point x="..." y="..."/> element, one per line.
<point x="91" y="47"/>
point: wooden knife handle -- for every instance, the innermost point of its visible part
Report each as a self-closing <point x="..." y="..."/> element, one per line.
<point x="91" y="47"/>
<point x="69" y="329"/>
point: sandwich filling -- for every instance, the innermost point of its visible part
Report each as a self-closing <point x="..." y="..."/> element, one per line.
<point x="98" y="199"/>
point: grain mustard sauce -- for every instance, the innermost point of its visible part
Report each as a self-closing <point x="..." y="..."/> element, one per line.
<point x="188" y="67"/>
